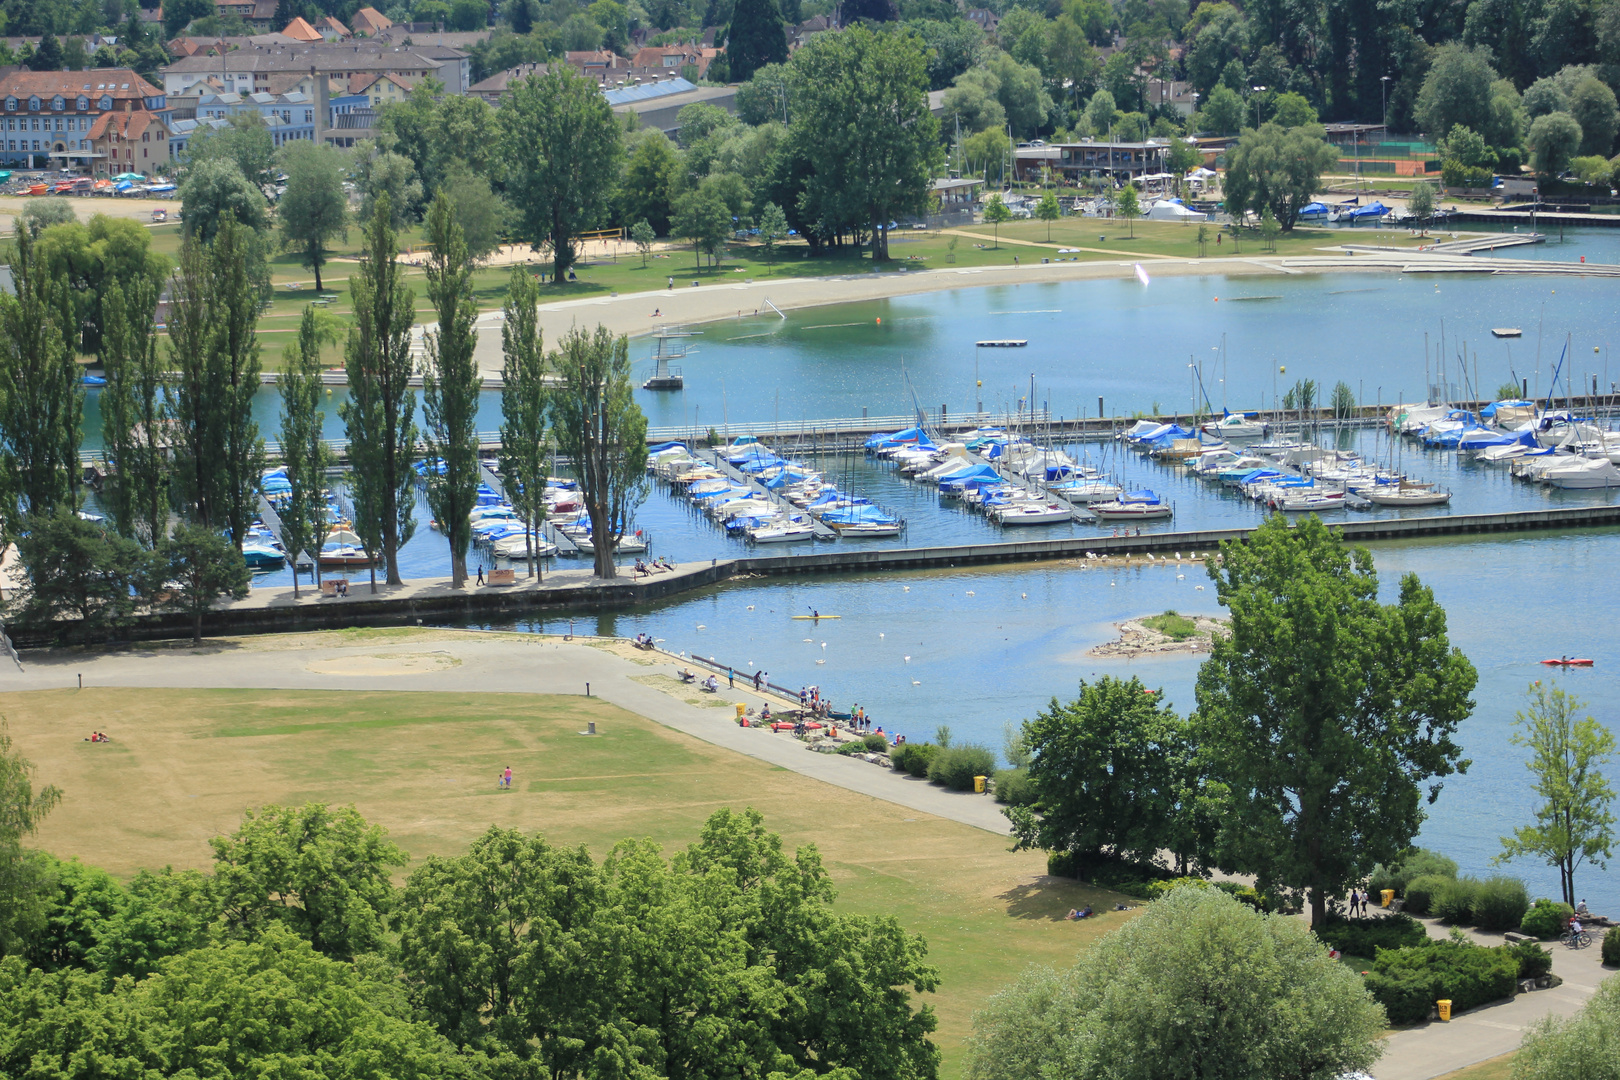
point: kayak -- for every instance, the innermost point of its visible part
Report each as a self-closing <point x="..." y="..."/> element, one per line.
<point x="1568" y="663"/>
<point x="812" y="618"/>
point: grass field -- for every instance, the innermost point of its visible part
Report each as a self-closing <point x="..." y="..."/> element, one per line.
<point x="184" y="764"/>
<point x="1498" y="1068"/>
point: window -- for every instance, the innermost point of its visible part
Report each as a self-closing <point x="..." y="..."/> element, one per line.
<point x="33" y="104"/>
<point x="59" y="104"/>
<point x="11" y="106"/>
<point x="84" y="103"/>
<point x="106" y="101"/>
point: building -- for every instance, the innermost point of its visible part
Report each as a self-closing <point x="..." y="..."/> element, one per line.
<point x="674" y="58"/>
<point x="658" y="103"/>
<point x="1090" y="160"/>
<point x="956" y="194"/>
<point x="277" y="69"/>
<point x="259" y="14"/>
<point x="369" y="22"/>
<point x="51" y="117"/>
<point x="379" y="90"/>
<point x="299" y="30"/>
<point x="416" y="35"/>
<point x="128" y="142"/>
<point x="333" y="31"/>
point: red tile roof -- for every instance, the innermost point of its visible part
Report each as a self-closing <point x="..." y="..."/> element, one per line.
<point x="119" y="82"/>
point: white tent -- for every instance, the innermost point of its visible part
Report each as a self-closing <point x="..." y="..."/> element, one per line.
<point x="1173" y="210"/>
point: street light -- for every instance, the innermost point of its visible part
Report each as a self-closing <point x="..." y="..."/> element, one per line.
<point x="1258" y="90"/>
<point x="1383" y="97"/>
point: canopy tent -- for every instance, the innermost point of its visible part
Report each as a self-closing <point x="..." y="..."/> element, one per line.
<point x="1173" y="210"/>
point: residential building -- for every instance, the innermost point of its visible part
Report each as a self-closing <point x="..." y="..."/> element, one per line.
<point x="674" y="58"/>
<point x="419" y="35"/>
<point x="50" y="117"/>
<point x="369" y="22"/>
<point x="596" y="64"/>
<point x="985" y="19"/>
<point x="128" y="142"/>
<point x="259" y="14"/>
<point x="300" y="30"/>
<point x="380" y="90"/>
<point x="333" y="31"/>
<point x="276" y="69"/>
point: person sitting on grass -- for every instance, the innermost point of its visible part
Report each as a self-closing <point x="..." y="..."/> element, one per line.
<point x="1082" y="913"/>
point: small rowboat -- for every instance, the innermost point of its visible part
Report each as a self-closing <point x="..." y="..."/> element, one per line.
<point x="1568" y="663"/>
<point x="1004" y="343"/>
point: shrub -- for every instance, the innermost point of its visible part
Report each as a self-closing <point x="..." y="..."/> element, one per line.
<point x="1500" y="903"/>
<point x="1420" y="892"/>
<point x="856" y="747"/>
<point x="955" y="767"/>
<point x="1407" y="996"/>
<point x="913" y="758"/>
<point x="1546" y="919"/>
<point x="1013" y="787"/>
<point x="1063" y="864"/>
<point x="1156" y="889"/>
<point x="1416" y="863"/>
<point x="878" y="743"/>
<point x="1364" y="937"/>
<point x="1534" y="961"/>
<point x="1611" y="947"/>
<point x="1467" y="974"/>
<point x="1243" y="893"/>
<point x="1453" y="902"/>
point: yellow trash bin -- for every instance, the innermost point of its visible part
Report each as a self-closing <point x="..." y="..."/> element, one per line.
<point x="978" y="784"/>
<point x="742" y="710"/>
<point x="1389" y="896"/>
<point x="1444" y="1005"/>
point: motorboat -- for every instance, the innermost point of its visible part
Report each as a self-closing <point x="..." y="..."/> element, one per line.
<point x="1314" y="502"/>
<point x="782" y="532"/>
<point x="343" y="548"/>
<point x="1235" y="426"/>
<point x="262" y="555"/>
<point x="1581" y="473"/>
<point x="1132" y="506"/>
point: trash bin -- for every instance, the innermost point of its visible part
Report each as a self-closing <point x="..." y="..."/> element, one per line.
<point x="978" y="784"/>
<point x="1444" y="1005"/>
<point x="742" y="710"/>
<point x="1388" y="895"/>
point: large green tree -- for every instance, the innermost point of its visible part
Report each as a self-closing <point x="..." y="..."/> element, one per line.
<point x="136" y="494"/>
<point x="1574" y="823"/>
<point x="563" y="147"/>
<point x="379" y="413"/>
<point x="1197" y="986"/>
<point x="1457" y="90"/>
<point x="314" y="210"/>
<point x="524" y="398"/>
<point x="199" y="567"/>
<point x="211" y="190"/>
<point x="92" y="257"/>
<point x="304" y="454"/>
<point x="78" y="571"/>
<point x="755" y="38"/>
<point x="244" y="141"/>
<point x="861" y="116"/>
<point x="600" y="428"/>
<point x="41" y="399"/>
<point x="1324" y="713"/>
<point x="1104" y="771"/>
<point x="1554" y="141"/>
<point x="23" y="883"/>
<point x="1277" y="169"/>
<point x="450" y="386"/>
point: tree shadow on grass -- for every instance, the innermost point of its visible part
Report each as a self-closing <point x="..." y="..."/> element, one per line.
<point x="1050" y="899"/>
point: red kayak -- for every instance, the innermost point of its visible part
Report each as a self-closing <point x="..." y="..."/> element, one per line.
<point x="1568" y="663"/>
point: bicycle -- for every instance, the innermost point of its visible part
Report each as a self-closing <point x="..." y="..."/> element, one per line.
<point x="1576" y="939"/>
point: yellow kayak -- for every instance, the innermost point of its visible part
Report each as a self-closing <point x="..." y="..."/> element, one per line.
<point x="815" y="617"/>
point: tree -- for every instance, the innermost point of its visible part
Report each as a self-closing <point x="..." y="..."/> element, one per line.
<point x="43" y="401"/>
<point x="40" y="214"/>
<point x="22" y="883"/>
<point x="524" y="399"/>
<point x="1580" y="1045"/>
<point x="1574" y="822"/>
<point x="703" y="218"/>
<point x="642" y="235"/>
<point x="199" y="566"/>
<point x="88" y="258"/>
<point x="215" y="188"/>
<point x="1203" y="239"/>
<point x="1457" y="90"/>
<point x="481" y="214"/>
<point x="1277" y="169"/>
<point x="1101" y="111"/>
<point x="1554" y="140"/>
<point x="314" y="209"/>
<point x="136" y="493"/>
<point x="1102" y="768"/>
<point x="378" y="414"/>
<point x="863" y="119"/>
<point x="1269" y="229"/>
<point x="177" y="15"/>
<point x="1199" y="980"/>
<point x="450" y="386"/>
<point x="600" y="428"/>
<point x="651" y="182"/>
<point x="773" y="229"/>
<point x="1048" y="210"/>
<point x="323" y="872"/>
<point x="1592" y="104"/>
<point x="1129" y="206"/>
<point x="244" y="141"/>
<point x="234" y="366"/>
<point x="305" y="456"/>
<point x="1324" y="711"/>
<point x="996" y="214"/>
<point x="755" y="38"/>
<point x="386" y="178"/>
<point x="76" y="570"/>
<point x="563" y="145"/>
<point x="1183" y="157"/>
<point x="1420" y="204"/>
<point x="1292" y="110"/>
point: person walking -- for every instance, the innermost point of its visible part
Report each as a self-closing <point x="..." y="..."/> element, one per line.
<point x="506" y="777"/>
<point x="480" y="573"/>
<point x="731" y="678"/>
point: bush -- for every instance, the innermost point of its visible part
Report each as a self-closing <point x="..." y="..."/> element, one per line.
<point x="1156" y="889"/>
<point x="1416" y="863"/>
<point x="1467" y="974"/>
<point x="955" y="767"/>
<point x="856" y="747"/>
<point x="877" y="743"/>
<point x="1420" y="892"/>
<point x="1407" y="996"/>
<point x="1243" y="893"/>
<point x="1500" y="903"/>
<point x="1534" y="961"/>
<point x="1013" y="787"/>
<point x="913" y="758"/>
<point x="1063" y="864"/>
<point x="1364" y="937"/>
<point x="1546" y="919"/>
<point x="1611" y="947"/>
<point x="1453" y="902"/>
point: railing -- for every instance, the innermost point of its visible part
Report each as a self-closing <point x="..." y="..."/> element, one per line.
<point x="862" y="425"/>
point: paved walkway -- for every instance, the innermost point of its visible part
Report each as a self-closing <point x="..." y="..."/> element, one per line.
<point x="490" y="663"/>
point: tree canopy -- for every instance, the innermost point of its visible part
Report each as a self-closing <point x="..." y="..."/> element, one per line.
<point x="1276" y="169"/>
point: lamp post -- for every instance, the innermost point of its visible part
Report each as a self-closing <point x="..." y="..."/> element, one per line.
<point x="1258" y="90"/>
<point x="1383" y="99"/>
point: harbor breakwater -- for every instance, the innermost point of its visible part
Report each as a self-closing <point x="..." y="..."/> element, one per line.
<point x="433" y="602"/>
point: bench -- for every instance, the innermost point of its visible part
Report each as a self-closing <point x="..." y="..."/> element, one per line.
<point x="329" y="588"/>
<point x="503" y="577"/>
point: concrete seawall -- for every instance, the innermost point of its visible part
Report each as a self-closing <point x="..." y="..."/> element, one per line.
<point x="434" y="602"/>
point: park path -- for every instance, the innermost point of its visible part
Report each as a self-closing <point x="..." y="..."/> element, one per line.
<point x="490" y="663"/>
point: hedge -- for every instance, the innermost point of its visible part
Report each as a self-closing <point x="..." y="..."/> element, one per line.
<point x="1364" y="937"/>
<point x="1611" y="946"/>
<point x="1420" y="892"/>
<point x="1500" y="903"/>
<point x="1453" y="902"/>
<point x="1014" y="788"/>
<point x="913" y="758"/>
<point x="1469" y="975"/>
<point x="1534" y="961"/>
<point x="1419" y="862"/>
<point x="1407" y="996"/>
<point x="1546" y="919"/>
<point x="956" y="766"/>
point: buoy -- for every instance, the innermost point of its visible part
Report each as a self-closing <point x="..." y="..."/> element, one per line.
<point x="750" y="607"/>
<point x="1111" y="584"/>
<point x="880" y="637"/>
<point x="970" y="592"/>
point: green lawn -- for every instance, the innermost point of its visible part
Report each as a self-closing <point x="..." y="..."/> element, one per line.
<point x="184" y="764"/>
<point x="1498" y="1068"/>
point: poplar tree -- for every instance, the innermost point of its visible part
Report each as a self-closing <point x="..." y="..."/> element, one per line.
<point x="42" y="399"/>
<point x="523" y="407"/>
<point x="378" y="414"/>
<point x="450" y="386"/>
<point x="304" y="453"/>
<point x="601" y="429"/>
<point x="236" y="365"/>
<point x="132" y="408"/>
<point x="193" y="402"/>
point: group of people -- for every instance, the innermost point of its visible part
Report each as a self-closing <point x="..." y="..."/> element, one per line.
<point x="859" y="722"/>
<point x="1358" y="903"/>
<point x="99" y="736"/>
<point x="658" y="565"/>
<point x="642" y="641"/>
